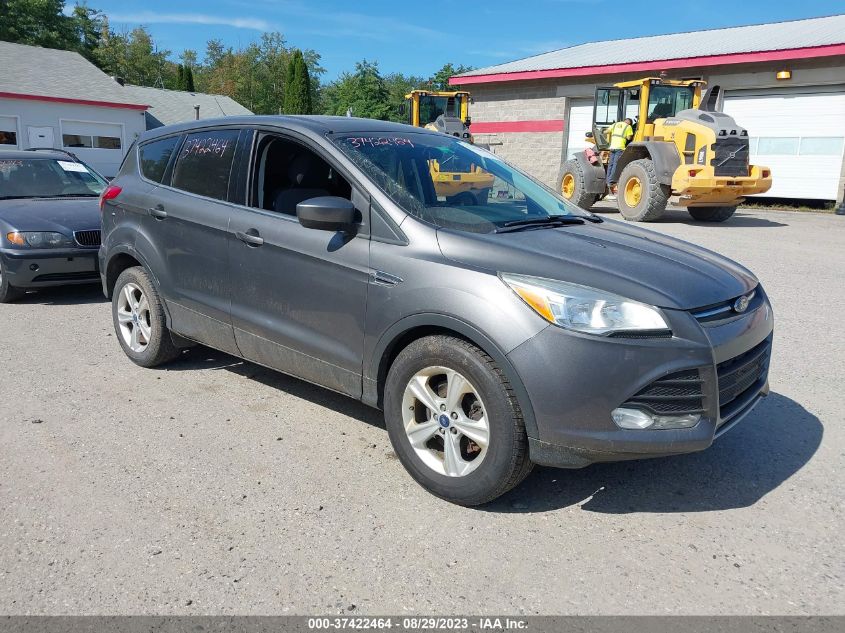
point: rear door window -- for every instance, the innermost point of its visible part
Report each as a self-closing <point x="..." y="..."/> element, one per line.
<point x="155" y="156"/>
<point x="204" y="164"/>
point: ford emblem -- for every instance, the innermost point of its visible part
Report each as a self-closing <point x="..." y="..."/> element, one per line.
<point x="741" y="304"/>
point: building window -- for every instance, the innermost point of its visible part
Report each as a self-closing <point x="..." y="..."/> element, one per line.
<point x="777" y="146"/>
<point x="83" y="140"/>
<point x="821" y="146"/>
<point x="8" y="138"/>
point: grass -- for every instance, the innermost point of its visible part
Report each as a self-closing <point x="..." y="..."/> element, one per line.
<point x="785" y="204"/>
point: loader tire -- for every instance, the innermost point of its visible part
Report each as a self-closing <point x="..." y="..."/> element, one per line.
<point x="711" y="214"/>
<point x="640" y="196"/>
<point x="573" y="185"/>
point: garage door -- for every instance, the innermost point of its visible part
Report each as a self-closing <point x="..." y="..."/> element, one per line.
<point x="580" y="122"/>
<point x="799" y="133"/>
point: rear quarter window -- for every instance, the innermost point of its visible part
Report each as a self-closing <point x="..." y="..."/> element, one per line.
<point x="155" y="156"/>
<point x="204" y="163"/>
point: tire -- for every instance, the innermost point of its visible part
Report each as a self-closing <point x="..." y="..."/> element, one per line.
<point x="139" y="320"/>
<point x="646" y="199"/>
<point x="573" y="185"/>
<point x="8" y="292"/>
<point x="711" y="214"/>
<point x="478" y="473"/>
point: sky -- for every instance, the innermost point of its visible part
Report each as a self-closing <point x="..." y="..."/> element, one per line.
<point x="418" y="37"/>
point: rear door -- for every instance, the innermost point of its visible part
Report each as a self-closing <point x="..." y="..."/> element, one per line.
<point x="299" y="295"/>
<point x="186" y="229"/>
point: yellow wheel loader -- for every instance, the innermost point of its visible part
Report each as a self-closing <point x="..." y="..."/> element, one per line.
<point x="682" y="146"/>
<point x="448" y="112"/>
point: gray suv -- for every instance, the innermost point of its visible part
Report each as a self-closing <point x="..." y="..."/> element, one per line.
<point x="496" y="325"/>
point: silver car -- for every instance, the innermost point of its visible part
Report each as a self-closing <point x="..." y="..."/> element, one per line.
<point x="495" y="324"/>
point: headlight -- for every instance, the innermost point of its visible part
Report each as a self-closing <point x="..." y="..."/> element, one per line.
<point x="39" y="239"/>
<point x="585" y="309"/>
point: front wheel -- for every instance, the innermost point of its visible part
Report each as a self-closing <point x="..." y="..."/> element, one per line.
<point x="640" y="196"/>
<point x="139" y="320"/>
<point x="711" y="214"/>
<point x="454" y="421"/>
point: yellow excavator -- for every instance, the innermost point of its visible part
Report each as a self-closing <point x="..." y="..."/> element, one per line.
<point x="682" y="146"/>
<point x="448" y="113"/>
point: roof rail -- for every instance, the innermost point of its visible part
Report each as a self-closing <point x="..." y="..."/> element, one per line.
<point x="53" y="149"/>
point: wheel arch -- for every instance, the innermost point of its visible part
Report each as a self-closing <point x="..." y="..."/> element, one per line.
<point x="117" y="263"/>
<point x="418" y="326"/>
<point x="664" y="155"/>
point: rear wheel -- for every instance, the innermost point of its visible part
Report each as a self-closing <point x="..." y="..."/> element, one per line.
<point x="8" y="292"/>
<point x="573" y="185"/>
<point x="711" y="214"/>
<point x="640" y="196"/>
<point x="139" y="320"/>
<point x="454" y="421"/>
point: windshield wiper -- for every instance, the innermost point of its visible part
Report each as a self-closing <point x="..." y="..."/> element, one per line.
<point x="73" y="195"/>
<point x="550" y="222"/>
<point x="13" y="197"/>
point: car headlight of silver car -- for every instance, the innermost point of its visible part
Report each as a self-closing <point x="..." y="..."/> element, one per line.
<point x="39" y="239"/>
<point x="585" y="309"/>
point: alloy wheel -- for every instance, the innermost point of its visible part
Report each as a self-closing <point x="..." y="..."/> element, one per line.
<point x="445" y="421"/>
<point x="133" y="316"/>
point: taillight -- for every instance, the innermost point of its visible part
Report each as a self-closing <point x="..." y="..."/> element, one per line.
<point x="109" y="193"/>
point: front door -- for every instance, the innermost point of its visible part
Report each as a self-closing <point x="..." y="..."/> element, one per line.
<point x="298" y="295"/>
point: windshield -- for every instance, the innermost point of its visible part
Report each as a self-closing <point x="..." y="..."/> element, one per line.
<point x="432" y="107"/>
<point x="451" y="183"/>
<point x="47" y="178"/>
<point x="667" y="101"/>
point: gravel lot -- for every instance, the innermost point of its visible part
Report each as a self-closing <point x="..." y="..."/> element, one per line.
<point x="215" y="486"/>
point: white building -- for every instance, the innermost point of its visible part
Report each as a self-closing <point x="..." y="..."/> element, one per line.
<point x="58" y="99"/>
<point x="784" y="82"/>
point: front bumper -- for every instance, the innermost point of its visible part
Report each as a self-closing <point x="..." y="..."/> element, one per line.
<point x="574" y="381"/>
<point x="39" y="268"/>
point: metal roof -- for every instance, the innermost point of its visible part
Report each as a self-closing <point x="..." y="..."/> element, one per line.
<point x="174" y="106"/>
<point x="811" y="32"/>
<point x="65" y="75"/>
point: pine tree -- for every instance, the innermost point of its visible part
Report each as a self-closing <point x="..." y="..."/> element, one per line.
<point x="189" y="79"/>
<point x="298" y="86"/>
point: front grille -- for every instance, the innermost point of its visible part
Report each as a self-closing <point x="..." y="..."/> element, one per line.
<point x="87" y="238"/>
<point x="675" y="394"/>
<point x="730" y="156"/>
<point x="740" y="377"/>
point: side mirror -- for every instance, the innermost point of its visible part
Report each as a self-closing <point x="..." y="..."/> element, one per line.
<point x="326" y="213"/>
<point x="589" y="135"/>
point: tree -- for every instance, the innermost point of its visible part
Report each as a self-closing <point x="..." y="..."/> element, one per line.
<point x="364" y="92"/>
<point x="189" y="79"/>
<point x="87" y="25"/>
<point x="297" y="86"/>
<point x="440" y="79"/>
<point x="135" y="57"/>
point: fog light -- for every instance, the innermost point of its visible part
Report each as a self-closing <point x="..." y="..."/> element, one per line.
<point x="638" y="419"/>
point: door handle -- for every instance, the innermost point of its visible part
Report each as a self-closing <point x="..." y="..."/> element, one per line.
<point x="250" y="238"/>
<point x="157" y="212"/>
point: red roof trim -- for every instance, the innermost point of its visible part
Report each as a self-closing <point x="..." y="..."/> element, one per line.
<point x="102" y="104"/>
<point x="492" y="127"/>
<point x="664" y="64"/>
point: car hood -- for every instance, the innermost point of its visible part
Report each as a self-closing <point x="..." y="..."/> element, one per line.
<point x="613" y="256"/>
<point x="51" y="214"/>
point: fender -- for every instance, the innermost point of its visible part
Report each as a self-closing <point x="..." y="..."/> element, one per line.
<point x="664" y="155"/>
<point x="594" y="175"/>
<point x="126" y="249"/>
<point x="375" y="373"/>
